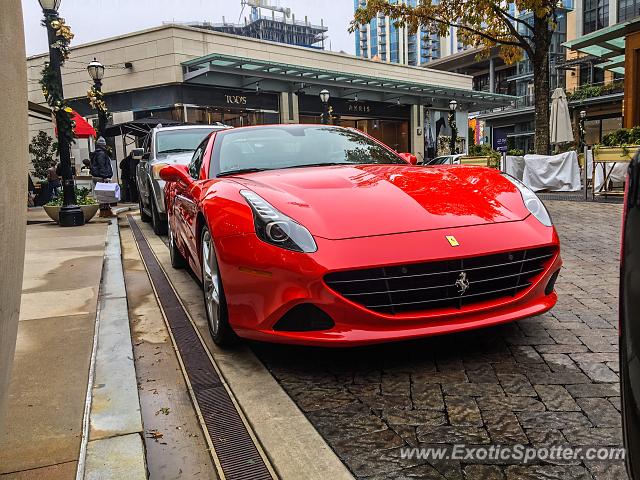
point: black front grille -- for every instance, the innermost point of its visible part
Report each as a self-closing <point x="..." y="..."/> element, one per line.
<point x="422" y="286"/>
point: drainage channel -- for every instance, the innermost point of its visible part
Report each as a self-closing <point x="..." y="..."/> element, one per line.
<point x="235" y="450"/>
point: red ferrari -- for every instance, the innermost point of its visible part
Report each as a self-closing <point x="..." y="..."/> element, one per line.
<point x="321" y="235"/>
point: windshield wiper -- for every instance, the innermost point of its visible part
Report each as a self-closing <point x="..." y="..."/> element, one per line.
<point x="242" y="170"/>
<point x="176" y="150"/>
<point x="325" y="164"/>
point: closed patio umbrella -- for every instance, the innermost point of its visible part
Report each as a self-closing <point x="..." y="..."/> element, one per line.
<point x="560" y="122"/>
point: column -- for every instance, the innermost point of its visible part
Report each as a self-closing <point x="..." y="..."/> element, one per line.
<point x="289" y="108"/>
<point x="613" y="12"/>
<point x="462" y="122"/>
<point x="492" y="76"/>
<point x="416" y="129"/>
<point x="13" y="194"/>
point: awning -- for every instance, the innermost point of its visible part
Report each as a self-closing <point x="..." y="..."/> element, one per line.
<point x="253" y="71"/>
<point x="82" y="129"/>
<point x="607" y="44"/>
<point x="137" y="128"/>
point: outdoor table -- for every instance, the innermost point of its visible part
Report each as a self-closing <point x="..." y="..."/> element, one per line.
<point x="514" y="166"/>
<point x="609" y="171"/>
<point x="556" y="173"/>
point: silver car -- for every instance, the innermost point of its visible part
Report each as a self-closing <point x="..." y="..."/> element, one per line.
<point x="165" y="145"/>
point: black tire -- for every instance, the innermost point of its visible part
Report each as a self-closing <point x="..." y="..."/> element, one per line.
<point x="143" y="216"/>
<point x="160" y="226"/>
<point x="177" y="259"/>
<point x="217" y="314"/>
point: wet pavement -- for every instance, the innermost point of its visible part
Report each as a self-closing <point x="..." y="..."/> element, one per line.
<point x="548" y="380"/>
<point x="43" y="428"/>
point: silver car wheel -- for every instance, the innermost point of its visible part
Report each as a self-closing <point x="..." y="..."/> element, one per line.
<point x="211" y="282"/>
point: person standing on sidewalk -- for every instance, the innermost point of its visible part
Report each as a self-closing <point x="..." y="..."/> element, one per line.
<point x="54" y="181"/>
<point x="101" y="171"/>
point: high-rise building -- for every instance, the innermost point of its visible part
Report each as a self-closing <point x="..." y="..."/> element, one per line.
<point x="381" y="40"/>
<point x="278" y="25"/>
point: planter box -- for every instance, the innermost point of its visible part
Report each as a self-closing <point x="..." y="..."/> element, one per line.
<point x="89" y="211"/>
<point x="614" y="154"/>
<point x="476" y="161"/>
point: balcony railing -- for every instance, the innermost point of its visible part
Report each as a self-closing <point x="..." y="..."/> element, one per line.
<point x="593" y="90"/>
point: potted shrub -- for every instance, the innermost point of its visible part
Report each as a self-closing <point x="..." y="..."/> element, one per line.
<point x="618" y="146"/>
<point x="481" y="155"/>
<point x="85" y="201"/>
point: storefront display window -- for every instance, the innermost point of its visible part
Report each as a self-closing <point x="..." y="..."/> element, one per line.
<point x="595" y="129"/>
<point x="234" y="117"/>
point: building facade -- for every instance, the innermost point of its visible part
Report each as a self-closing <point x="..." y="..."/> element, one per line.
<point x="200" y="76"/>
<point x="590" y="88"/>
<point x="381" y="40"/>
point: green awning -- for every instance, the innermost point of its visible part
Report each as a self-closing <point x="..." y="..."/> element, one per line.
<point x="607" y="44"/>
<point x="198" y="68"/>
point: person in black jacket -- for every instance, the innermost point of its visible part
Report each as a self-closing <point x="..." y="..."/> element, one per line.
<point x="125" y="176"/>
<point x="101" y="171"/>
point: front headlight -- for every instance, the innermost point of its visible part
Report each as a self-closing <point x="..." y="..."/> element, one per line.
<point x="155" y="170"/>
<point x="276" y="228"/>
<point x="531" y="201"/>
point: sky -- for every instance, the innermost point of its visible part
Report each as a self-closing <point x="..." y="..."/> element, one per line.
<point x="92" y="20"/>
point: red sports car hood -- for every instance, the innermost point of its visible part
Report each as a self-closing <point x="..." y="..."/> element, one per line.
<point x="337" y="202"/>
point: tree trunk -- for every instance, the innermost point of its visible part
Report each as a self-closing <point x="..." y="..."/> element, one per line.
<point x="542" y="95"/>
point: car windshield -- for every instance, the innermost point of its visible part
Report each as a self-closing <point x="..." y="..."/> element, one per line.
<point x="180" y="140"/>
<point x="270" y="148"/>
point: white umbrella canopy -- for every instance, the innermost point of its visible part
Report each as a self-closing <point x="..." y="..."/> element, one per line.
<point x="560" y="122"/>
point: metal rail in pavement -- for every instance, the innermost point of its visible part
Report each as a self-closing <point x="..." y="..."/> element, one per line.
<point x="236" y="452"/>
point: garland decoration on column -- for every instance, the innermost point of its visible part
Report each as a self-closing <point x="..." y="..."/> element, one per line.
<point x="48" y="81"/>
<point x="96" y="100"/>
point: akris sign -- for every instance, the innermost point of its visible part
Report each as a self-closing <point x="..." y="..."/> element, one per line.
<point x="236" y="99"/>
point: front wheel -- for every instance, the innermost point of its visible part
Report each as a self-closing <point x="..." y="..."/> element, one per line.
<point x="143" y="216"/>
<point x="159" y="225"/>
<point x="214" y="299"/>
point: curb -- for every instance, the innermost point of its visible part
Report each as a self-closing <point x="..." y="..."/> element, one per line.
<point x="112" y="446"/>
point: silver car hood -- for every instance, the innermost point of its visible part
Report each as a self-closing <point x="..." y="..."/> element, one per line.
<point x="175" y="158"/>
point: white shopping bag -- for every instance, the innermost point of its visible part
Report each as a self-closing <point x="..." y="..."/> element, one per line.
<point x="107" y="192"/>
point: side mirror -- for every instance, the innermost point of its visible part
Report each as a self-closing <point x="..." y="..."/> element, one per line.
<point x="137" y="153"/>
<point x="410" y="158"/>
<point x="176" y="173"/>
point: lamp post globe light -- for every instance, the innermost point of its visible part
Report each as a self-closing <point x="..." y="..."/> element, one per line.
<point x="96" y="72"/>
<point x="453" y="105"/>
<point x="70" y="213"/>
<point x="324" y="98"/>
<point x="50" y="5"/>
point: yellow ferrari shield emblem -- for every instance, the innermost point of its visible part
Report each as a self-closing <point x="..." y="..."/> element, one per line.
<point x="452" y="241"/>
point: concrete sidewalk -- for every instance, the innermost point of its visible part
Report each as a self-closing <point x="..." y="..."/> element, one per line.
<point x="61" y="297"/>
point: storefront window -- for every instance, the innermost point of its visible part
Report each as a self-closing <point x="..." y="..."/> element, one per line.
<point x="394" y="133"/>
<point x="234" y="117"/>
<point x="170" y="113"/>
<point x="611" y="124"/>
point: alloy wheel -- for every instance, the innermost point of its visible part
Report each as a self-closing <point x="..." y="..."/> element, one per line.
<point x="211" y="282"/>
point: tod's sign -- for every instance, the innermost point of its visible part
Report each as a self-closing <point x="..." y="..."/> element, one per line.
<point x="236" y="99"/>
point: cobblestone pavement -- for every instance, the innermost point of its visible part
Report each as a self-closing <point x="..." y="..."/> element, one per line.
<point x="548" y="380"/>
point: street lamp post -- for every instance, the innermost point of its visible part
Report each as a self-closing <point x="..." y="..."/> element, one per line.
<point x="70" y="214"/>
<point x="324" y="98"/>
<point x="583" y="117"/>
<point x="452" y="123"/>
<point x="96" y="72"/>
